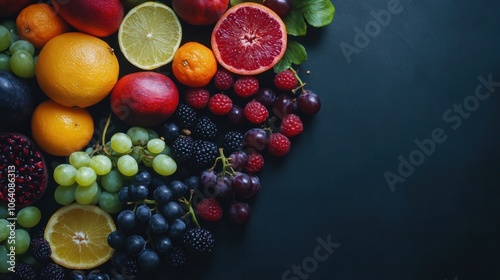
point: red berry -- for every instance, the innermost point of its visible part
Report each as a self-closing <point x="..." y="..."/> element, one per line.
<point x="197" y="97"/>
<point x="255" y="112"/>
<point x="246" y="86"/>
<point x="255" y="162"/>
<point x="209" y="209"/>
<point x="220" y="104"/>
<point x="285" y="80"/>
<point x="291" y="125"/>
<point x="279" y="144"/>
<point x="223" y="79"/>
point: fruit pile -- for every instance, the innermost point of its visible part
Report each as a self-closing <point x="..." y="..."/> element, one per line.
<point x="181" y="147"/>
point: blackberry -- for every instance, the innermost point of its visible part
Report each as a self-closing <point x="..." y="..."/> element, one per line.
<point x="205" y="129"/>
<point x="40" y="249"/>
<point x="130" y="268"/>
<point x="233" y="141"/>
<point x="25" y="271"/>
<point x="182" y="149"/>
<point x="199" y="241"/>
<point x="185" y="116"/>
<point x="51" y="271"/>
<point x="177" y="257"/>
<point x="204" y="153"/>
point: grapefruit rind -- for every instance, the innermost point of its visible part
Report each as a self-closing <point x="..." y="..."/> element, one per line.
<point x="149" y="35"/>
<point x="231" y="41"/>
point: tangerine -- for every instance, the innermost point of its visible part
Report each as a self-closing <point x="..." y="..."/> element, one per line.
<point x="194" y="64"/>
<point x="59" y="130"/>
<point x="76" y="69"/>
<point x="38" y="23"/>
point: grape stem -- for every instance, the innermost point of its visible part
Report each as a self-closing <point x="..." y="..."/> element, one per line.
<point x="103" y="140"/>
<point x="226" y="165"/>
<point x="190" y="207"/>
<point x="301" y="84"/>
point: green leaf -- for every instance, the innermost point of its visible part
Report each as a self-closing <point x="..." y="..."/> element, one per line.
<point x="317" y="13"/>
<point x="295" y="53"/>
<point x="295" y="23"/>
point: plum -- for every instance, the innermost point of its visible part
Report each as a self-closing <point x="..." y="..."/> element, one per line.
<point x="16" y="102"/>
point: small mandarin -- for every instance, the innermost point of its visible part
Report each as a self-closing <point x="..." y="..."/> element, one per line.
<point x="194" y="64"/>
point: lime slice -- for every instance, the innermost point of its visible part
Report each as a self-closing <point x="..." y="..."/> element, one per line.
<point x="149" y="35"/>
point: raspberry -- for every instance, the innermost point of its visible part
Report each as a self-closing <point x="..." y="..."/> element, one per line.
<point x="220" y="104"/>
<point x="246" y="86"/>
<point x="255" y="162"/>
<point x="279" y="144"/>
<point x="197" y="97"/>
<point x="223" y="79"/>
<point x="291" y="125"/>
<point x="255" y="112"/>
<point x="285" y="80"/>
<point x="209" y="209"/>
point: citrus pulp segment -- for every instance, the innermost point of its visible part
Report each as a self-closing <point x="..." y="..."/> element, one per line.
<point x="78" y="236"/>
<point x="149" y="35"/>
<point x="249" y="39"/>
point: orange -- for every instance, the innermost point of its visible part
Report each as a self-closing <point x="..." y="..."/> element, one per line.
<point x="194" y="64"/>
<point x="60" y="130"/>
<point x="78" y="234"/>
<point x="38" y="23"/>
<point x="76" y="69"/>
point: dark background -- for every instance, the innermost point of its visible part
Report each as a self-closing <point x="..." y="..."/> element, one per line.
<point x="443" y="221"/>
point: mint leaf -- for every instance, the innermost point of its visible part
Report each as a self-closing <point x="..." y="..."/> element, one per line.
<point x="295" y="53"/>
<point x="317" y="13"/>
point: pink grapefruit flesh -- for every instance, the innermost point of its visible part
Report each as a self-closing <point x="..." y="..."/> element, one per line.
<point x="249" y="39"/>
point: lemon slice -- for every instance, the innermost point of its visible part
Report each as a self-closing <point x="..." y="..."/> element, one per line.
<point x="78" y="234"/>
<point x="149" y="35"/>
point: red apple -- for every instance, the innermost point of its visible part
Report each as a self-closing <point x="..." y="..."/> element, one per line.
<point x="144" y="98"/>
<point x="10" y="8"/>
<point x="200" y="12"/>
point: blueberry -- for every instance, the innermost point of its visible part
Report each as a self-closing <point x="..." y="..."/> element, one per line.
<point x="162" y="195"/>
<point x="97" y="275"/>
<point x="123" y="195"/>
<point x="77" y="275"/>
<point x="116" y="239"/>
<point x="172" y="210"/>
<point x="162" y="244"/>
<point x="138" y="192"/>
<point x="118" y="259"/>
<point x="148" y="260"/>
<point x="142" y="178"/>
<point x="142" y="213"/>
<point x="158" y="224"/>
<point x="126" y="219"/>
<point x="170" y="132"/>
<point x="192" y="182"/>
<point x="135" y="244"/>
<point x="178" y="188"/>
<point x="176" y="228"/>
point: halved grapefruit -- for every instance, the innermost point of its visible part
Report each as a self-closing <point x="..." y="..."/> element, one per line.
<point x="249" y="39"/>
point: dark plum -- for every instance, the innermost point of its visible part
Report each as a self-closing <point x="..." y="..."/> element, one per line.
<point x="309" y="102"/>
<point x="240" y="213"/>
<point x="256" y="138"/>
<point x="281" y="7"/>
<point x="265" y="96"/>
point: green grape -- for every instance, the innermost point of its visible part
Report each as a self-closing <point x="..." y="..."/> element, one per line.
<point x="65" y="174"/>
<point x="85" y="176"/>
<point x="5" y="38"/>
<point x="139" y="135"/>
<point x="5" y="62"/>
<point x="137" y="153"/>
<point x="121" y="142"/>
<point x="29" y="216"/>
<point x="153" y="134"/>
<point x="22" y="64"/>
<point x="156" y="145"/>
<point x="22" y="45"/>
<point x="166" y="151"/>
<point x="127" y="165"/>
<point x="112" y="182"/>
<point x="4" y="212"/>
<point x="101" y="164"/>
<point x="28" y="258"/>
<point x="10" y="25"/>
<point x="97" y="196"/>
<point x="147" y="159"/>
<point x="23" y="240"/>
<point x="110" y="202"/>
<point x="65" y="195"/>
<point x="79" y="159"/>
<point x="85" y="195"/>
<point x="4" y="230"/>
<point x="164" y="165"/>
<point x="5" y="262"/>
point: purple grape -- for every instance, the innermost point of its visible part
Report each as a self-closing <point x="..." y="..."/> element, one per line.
<point x="235" y="116"/>
<point x="309" y="103"/>
<point x="242" y="185"/>
<point x="283" y="105"/>
<point x="255" y="183"/>
<point x="280" y="7"/>
<point x="266" y="96"/>
<point x="240" y="213"/>
<point x="223" y="190"/>
<point x="238" y="160"/>
<point x="256" y="138"/>
<point x="208" y="178"/>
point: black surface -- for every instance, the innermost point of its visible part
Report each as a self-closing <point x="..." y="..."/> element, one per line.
<point x="443" y="221"/>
